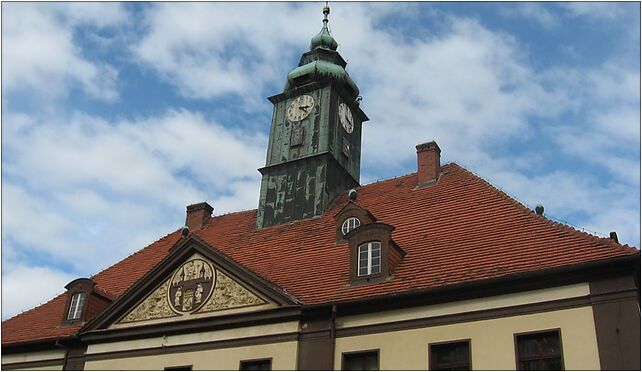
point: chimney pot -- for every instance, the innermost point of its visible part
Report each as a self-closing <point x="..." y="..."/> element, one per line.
<point x="613" y="236"/>
<point x="428" y="163"/>
<point x="197" y="214"/>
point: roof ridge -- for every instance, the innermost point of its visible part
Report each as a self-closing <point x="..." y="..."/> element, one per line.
<point x="557" y="225"/>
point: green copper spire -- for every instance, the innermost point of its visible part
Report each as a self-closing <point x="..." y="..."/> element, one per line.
<point x="323" y="38"/>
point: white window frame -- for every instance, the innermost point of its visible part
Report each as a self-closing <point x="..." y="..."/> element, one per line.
<point x="350" y="224"/>
<point x="76" y="305"/>
<point x="369" y="247"/>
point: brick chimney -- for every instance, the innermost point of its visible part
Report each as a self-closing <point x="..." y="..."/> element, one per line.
<point x="428" y="163"/>
<point x="197" y="214"/>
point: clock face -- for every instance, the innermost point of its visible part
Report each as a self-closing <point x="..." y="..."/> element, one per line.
<point x="345" y="116"/>
<point x="300" y="108"/>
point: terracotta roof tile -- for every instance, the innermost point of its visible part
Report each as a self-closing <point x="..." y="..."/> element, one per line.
<point x="459" y="230"/>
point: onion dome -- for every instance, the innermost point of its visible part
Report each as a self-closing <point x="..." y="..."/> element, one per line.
<point x="323" y="38"/>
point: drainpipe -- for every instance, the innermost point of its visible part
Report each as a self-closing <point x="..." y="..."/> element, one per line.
<point x="333" y="332"/>
<point x="60" y="345"/>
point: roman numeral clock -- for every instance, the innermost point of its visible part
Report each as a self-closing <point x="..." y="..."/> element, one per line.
<point x="314" y="150"/>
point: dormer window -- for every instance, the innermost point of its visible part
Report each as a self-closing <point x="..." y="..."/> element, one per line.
<point x="369" y="259"/>
<point x="373" y="253"/>
<point x="76" y="306"/>
<point x="350" y="224"/>
<point x="349" y="218"/>
<point x="83" y="302"/>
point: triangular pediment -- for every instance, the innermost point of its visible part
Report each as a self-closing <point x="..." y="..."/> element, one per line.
<point x="193" y="281"/>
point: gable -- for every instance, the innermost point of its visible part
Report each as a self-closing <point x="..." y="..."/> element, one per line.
<point x="197" y="288"/>
<point x="193" y="281"/>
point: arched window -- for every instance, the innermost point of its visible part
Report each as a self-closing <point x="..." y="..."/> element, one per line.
<point x="76" y="305"/>
<point x="350" y="224"/>
<point x="369" y="259"/>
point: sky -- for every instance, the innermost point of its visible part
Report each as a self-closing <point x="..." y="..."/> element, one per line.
<point x="115" y="116"/>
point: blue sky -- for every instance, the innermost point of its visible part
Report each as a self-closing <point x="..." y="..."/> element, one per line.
<point x="115" y="116"/>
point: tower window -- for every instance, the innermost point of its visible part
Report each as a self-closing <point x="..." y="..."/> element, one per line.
<point x="369" y="259"/>
<point x="350" y="224"/>
<point x="76" y="305"/>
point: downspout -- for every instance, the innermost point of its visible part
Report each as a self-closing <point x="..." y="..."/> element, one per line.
<point x="60" y="345"/>
<point x="333" y="332"/>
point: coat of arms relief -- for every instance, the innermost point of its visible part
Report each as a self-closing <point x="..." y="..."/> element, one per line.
<point x="195" y="287"/>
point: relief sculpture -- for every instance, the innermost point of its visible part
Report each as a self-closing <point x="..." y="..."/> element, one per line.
<point x="191" y="284"/>
<point x="229" y="294"/>
<point x="195" y="287"/>
<point x="154" y="307"/>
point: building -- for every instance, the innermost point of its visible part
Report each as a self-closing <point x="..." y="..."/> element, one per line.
<point x="433" y="270"/>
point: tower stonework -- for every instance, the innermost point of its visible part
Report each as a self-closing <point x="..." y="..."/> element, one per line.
<point x="314" y="150"/>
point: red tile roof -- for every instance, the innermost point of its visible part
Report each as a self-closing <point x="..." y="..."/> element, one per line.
<point x="459" y="230"/>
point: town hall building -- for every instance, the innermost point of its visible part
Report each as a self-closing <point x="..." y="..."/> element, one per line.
<point x="433" y="270"/>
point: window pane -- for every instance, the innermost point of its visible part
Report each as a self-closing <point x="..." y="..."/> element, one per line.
<point x="539" y="351"/>
<point x="367" y="361"/>
<point x="256" y="365"/>
<point x="450" y="356"/>
<point x="75" y="306"/>
<point x="350" y="224"/>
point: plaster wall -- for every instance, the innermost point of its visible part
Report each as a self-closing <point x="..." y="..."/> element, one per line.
<point x="33" y="356"/>
<point x="283" y="356"/>
<point x="494" y="302"/>
<point x="192" y="338"/>
<point x="491" y="341"/>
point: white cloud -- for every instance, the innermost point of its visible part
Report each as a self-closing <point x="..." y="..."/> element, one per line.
<point x="536" y="12"/>
<point x="598" y="10"/>
<point x="106" y="189"/>
<point x="39" y="54"/>
<point x="24" y="287"/>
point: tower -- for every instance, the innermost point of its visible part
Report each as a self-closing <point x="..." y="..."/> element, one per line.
<point x="314" y="151"/>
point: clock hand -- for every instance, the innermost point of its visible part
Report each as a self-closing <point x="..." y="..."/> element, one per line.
<point x="304" y="108"/>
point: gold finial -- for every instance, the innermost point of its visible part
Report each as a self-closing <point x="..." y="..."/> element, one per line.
<point x="326" y="10"/>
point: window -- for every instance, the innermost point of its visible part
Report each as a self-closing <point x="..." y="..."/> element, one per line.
<point x="369" y="259"/>
<point x="350" y="224"/>
<point x="178" y="368"/>
<point x="76" y="305"/>
<point x="361" y="361"/>
<point x="256" y="365"/>
<point x="451" y="356"/>
<point x="539" y="351"/>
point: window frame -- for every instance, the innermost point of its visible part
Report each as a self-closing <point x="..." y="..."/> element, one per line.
<point x="534" y="333"/>
<point x="77" y="308"/>
<point x="441" y="343"/>
<point x="254" y="361"/>
<point x="356" y="352"/>
<point x="350" y="218"/>
<point x="370" y="257"/>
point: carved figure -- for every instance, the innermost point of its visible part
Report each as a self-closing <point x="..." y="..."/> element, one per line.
<point x="177" y="297"/>
<point x="199" y="294"/>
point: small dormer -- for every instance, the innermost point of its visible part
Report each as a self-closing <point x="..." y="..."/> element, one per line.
<point x="373" y="253"/>
<point x="84" y="301"/>
<point x="350" y="217"/>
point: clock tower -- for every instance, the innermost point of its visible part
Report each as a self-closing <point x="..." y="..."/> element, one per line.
<point x="314" y="151"/>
